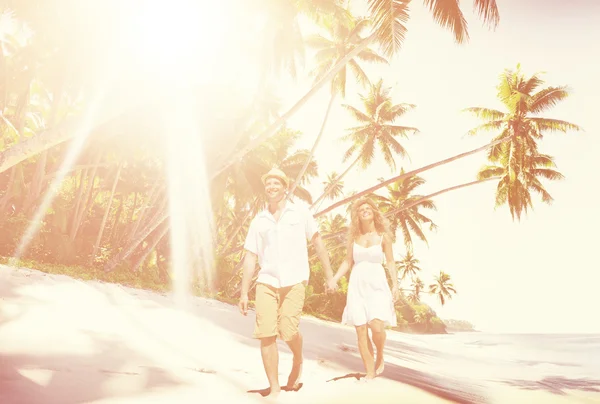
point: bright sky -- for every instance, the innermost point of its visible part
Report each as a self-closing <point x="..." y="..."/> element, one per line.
<point x="532" y="276"/>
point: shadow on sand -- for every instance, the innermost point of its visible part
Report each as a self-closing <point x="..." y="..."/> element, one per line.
<point x="557" y="385"/>
<point x="322" y="344"/>
<point x="72" y="378"/>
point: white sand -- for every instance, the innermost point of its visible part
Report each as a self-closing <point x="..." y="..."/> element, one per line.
<point x="68" y="341"/>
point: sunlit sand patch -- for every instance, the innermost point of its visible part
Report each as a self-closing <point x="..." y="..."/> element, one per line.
<point x="40" y="377"/>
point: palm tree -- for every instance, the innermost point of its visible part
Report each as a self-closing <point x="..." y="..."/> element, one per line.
<point x="417" y="286"/>
<point x="376" y="130"/>
<point x="410" y="219"/>
<point x="333" y="186"/>
<point x="388" y="31"/>
<point x="442" y="287"/>
<point x="408" y="266"/>
<point x="338" y="227"/>
<point x="523" y="101"/>
<point x="345" y="34"/>
<point x="517" y="181"/>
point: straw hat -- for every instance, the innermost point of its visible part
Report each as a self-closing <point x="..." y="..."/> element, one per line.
<point x="276" y="173"/>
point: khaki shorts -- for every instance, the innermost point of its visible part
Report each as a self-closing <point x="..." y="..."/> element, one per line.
<point x="278" y="311"/>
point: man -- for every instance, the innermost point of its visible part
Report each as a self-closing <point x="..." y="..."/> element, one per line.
<point x="278" y="238"/>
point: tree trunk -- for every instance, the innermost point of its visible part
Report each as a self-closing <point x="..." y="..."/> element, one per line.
<point x="408" y="175"/>
<point x="140" y="261"/>
<point x="113" y="228"/>
<point x="150" y="201"/>
<point x="312" y="151"/>
<point x="9" y="187"/>
<point x="86" y="201"/>
<point x="82" y="178"/>
<point x="35" y="185"/>
<point x="239" y="227"/>
<point x="272" y="129"/>
<point x="126" y="252"/>
<point x="106" y="213"/>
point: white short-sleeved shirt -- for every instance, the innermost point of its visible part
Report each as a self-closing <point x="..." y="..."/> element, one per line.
<point x="282" y="246"/>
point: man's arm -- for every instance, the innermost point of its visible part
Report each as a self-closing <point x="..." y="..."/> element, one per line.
<point x="248" y="272"/>
<point x="323" y="255"/>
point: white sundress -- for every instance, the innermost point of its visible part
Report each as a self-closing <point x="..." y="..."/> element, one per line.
<point x="369" y="296"/>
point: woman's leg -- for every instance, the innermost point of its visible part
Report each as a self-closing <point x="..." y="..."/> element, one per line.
<point x="378" y="329"/>
<point x="362" y="333"/>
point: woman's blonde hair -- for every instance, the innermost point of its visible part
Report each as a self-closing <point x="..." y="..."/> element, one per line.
<point x="355" y="228"/>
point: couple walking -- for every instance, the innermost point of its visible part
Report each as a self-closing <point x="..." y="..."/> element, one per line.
<point x="278" y="238"/>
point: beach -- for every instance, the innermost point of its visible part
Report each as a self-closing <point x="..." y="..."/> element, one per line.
<point x="69" y="341"/>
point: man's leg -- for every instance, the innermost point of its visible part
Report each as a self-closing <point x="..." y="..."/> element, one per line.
<point x="267" y="305"/>
<point x="292" y="302"/>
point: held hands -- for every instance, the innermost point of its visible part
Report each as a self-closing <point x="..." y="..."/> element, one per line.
<point x="243" y="305"/>
<point x="331" y="285"/>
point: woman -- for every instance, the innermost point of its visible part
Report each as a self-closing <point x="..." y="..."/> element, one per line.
<point x="370" y="303"/>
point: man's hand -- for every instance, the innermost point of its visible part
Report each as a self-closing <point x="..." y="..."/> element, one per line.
<point x="243" y="304"/>
<point x="331" y="285"/>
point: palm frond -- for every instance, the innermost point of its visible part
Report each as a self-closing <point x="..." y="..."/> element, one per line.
<point x="547" y="98"/>
<point x="389" y="18"/>
<point x="486" y="114"/>
<point x="488" y="10"/>
<point x="447" y="14"/>
<point x="554" y="125"/>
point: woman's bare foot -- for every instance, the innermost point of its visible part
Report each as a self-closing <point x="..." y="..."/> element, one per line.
<point x="379" y="365"/>
<point x="273" y="392"/>
<point x="295" y="375"/>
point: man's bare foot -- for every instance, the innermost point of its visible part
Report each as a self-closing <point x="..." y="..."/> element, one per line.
<point x="295" y="375"/>
<point x="369" y="377"/>
<point x="379" y="365"/>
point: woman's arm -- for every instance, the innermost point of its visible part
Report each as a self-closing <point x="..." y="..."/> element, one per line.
<point x="390" y="264"/>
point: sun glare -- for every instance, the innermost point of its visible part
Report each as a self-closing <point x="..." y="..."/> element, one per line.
<point x="178" y="40"/>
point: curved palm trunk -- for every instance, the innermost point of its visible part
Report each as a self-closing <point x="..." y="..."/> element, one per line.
<point x="240" y="226"/>
<point x="86" y="201"/>
<point x="420" y="200"/>
<point x="150" y="248"/>
<point x="83" y="175"/>
<point x="409" y="174"/>
<point x="312" y="151"/>
<point x="272" y="129"/>
<point x="126" y="252"/>
<point x="106" y="213"/>
<point x="151" y="200"/>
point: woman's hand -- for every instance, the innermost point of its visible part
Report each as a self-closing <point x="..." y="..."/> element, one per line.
<point x="395" y="293"/>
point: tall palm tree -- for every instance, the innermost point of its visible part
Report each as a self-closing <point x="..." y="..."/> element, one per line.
<point x="376" y="130"/>
<point x="517" y="181"/>
<point x="409" y="220"/>
<point x="408" y="266"/>
<point x="524" y="101"/>
<point x="442" y="287"/>
<point x="344" y="35"/>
